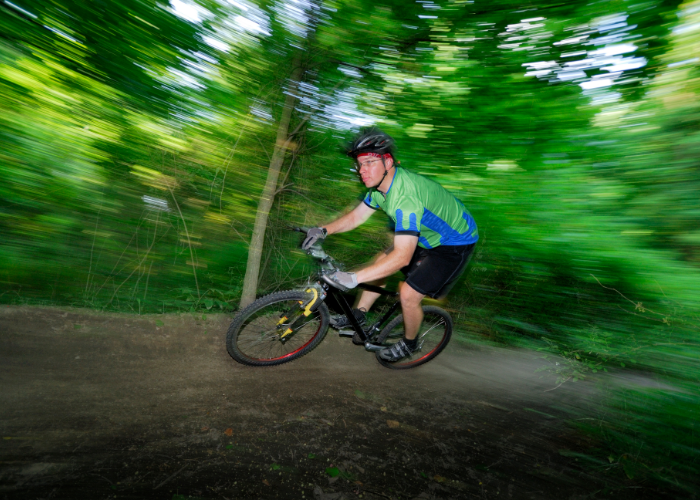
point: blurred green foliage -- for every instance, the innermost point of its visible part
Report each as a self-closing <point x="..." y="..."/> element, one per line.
<point x="135" y="138"/>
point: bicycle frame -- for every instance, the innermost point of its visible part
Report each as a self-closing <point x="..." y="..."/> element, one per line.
<point x="347" y="311"/>
<point x="328" y="265"/>
<point x="258" y="333"/>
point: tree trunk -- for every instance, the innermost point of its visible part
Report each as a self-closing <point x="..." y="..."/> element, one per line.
<point x="250" y="283"/>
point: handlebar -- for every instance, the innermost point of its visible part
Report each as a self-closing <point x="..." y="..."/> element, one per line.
<point x="328" y="264"/>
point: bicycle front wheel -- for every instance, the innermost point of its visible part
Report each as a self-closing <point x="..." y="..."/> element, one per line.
<point x="273" y="329"/>
<point x="434" y="334"/>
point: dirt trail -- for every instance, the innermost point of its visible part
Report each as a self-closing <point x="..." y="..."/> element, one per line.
<point x="116" y="406"/>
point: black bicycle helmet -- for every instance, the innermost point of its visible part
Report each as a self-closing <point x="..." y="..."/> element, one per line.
<point x="371" y="140"/>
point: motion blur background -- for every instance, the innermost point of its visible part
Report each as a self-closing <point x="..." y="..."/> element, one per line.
<point x="146" y="146"/>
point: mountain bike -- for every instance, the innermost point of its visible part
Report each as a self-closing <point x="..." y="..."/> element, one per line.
<point x="284" y="326"/>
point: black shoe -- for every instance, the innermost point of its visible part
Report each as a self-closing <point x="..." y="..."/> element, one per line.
<point x="357" y="340"/>
<point x="341" y="321"/>
<point x="396" y="352"/>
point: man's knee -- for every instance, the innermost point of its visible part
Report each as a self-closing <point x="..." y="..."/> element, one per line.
<point x="409" y="296"/>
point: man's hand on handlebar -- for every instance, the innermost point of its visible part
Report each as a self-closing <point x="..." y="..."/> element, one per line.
<point x="312" y="236"/>
<point x="342" y="280"/>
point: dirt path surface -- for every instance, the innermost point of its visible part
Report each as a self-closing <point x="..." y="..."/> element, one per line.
<point x="116" y="406"/>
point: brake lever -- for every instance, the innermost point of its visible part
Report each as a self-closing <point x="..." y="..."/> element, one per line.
<point x="318" y="253"/>
<point x="332" y="283"/>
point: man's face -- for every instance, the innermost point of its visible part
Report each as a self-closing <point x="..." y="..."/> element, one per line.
<point x="371" y="169"/>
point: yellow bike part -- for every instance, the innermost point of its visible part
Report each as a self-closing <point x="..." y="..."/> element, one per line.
<point x="307" y="310"/>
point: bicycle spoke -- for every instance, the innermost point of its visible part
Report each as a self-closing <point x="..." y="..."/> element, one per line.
<point x="262" y="338"/>
<point x="299" y="328"/>
<point x="431" y="328"/>
<point x="420" y="347"/>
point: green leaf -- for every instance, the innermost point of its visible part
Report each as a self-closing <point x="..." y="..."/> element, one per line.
<point x="333" y="471"/>
<point x="159" y="323"/>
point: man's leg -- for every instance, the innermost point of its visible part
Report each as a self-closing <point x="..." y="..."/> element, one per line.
<point x="366" y="298"/>
<point x="411" y="310"/>
<point x="412" y="319"/>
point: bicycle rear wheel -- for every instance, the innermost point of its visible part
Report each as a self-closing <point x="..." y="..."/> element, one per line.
<point x="434" y="334"/>
<point x="259" y="335"/>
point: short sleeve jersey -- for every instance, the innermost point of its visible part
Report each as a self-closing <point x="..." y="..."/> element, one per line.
<point x="421" y="207"/>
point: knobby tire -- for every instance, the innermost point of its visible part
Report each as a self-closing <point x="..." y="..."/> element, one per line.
<point x="253" y="337"/>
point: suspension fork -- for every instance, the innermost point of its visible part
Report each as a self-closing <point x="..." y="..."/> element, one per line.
<point x="315" y="295"/>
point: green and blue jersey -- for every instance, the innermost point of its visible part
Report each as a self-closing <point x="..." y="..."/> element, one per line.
<point x="421" y="207"/>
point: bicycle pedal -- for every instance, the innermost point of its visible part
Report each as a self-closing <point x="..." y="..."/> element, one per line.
<point x="346" y="333"/>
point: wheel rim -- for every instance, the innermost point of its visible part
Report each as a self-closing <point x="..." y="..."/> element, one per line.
<point x="431" y="336"/>
<point x="259" y="337"/>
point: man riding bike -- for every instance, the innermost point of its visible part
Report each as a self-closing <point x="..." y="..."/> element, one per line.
<point x="434" y="235"/>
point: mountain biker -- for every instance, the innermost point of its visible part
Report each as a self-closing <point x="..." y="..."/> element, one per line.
<point x="434" y="236"/>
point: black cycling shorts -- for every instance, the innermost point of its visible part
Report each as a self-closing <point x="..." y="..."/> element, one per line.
<point x="433" y="271"/>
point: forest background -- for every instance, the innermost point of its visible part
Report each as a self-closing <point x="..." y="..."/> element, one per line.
<point x="153" y="156"/>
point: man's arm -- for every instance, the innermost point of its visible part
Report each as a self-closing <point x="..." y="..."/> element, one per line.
<point x="350" y="220"/>
<point x="400" y="256"/>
